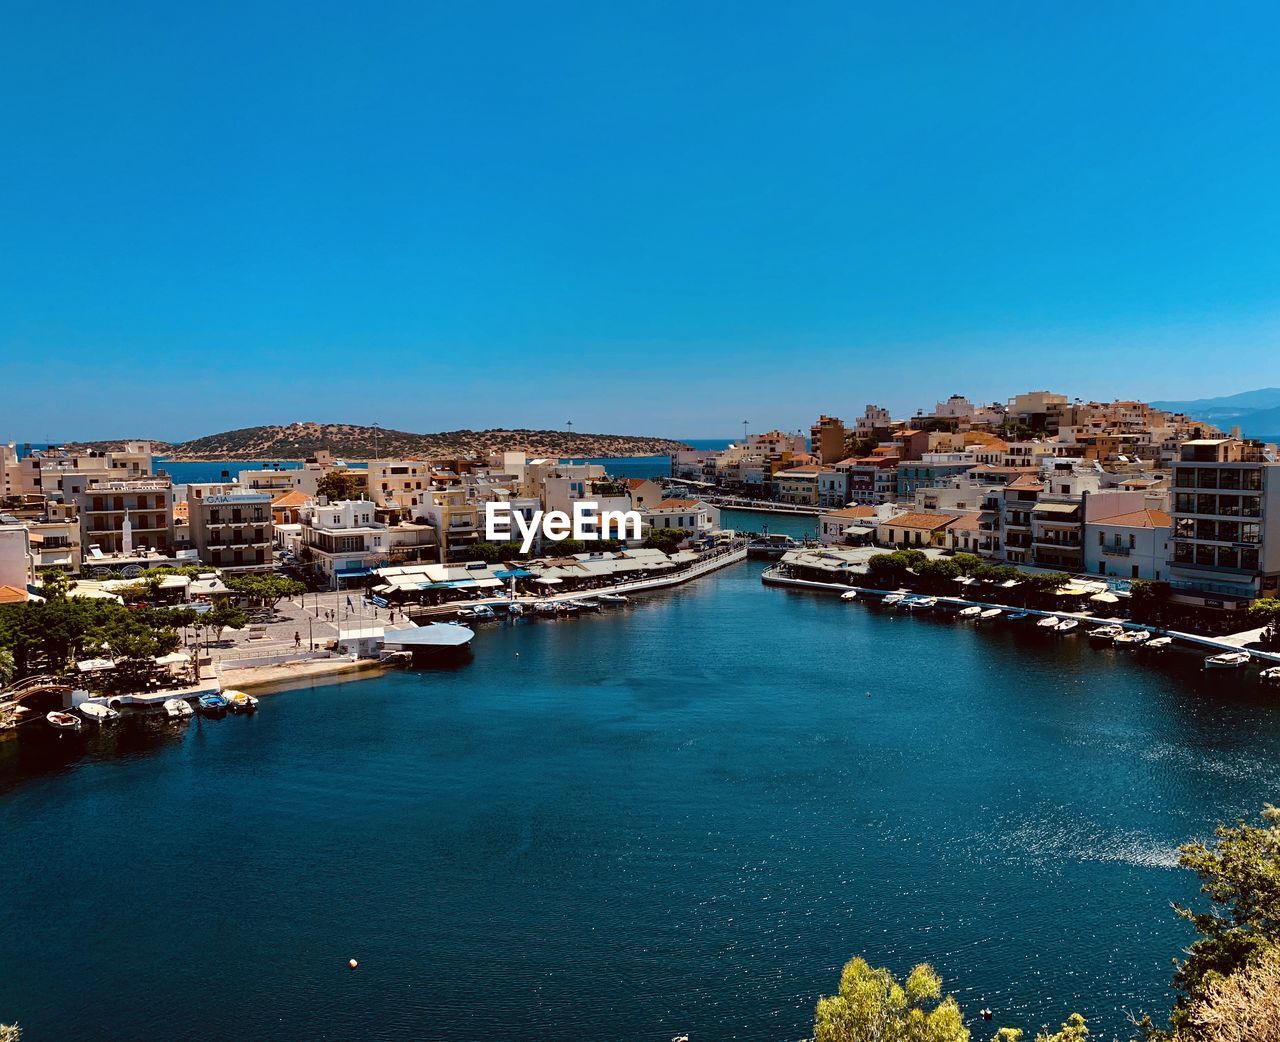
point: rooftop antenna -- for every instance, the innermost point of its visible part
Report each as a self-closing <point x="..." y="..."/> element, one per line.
<point x="744" y="431"/>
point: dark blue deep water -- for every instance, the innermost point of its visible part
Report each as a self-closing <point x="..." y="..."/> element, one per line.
<point x="683" y="816"/>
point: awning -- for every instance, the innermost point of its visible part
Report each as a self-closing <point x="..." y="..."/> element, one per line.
<point x="92" y="665"/>
<point x="1105" y="598"/>
<point x="1071" y="591"/>
<point x="1055" y="508"/>
<point x="175" y="658"/>
<point x="347" y="573"/>
<point x="514" y="573"/>
<point x="549" y="580"/>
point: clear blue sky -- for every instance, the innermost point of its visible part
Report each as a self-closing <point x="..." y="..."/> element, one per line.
<point x="657" y="218"/>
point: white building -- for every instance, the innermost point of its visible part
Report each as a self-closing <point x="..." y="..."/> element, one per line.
<point x="342" y="543"/>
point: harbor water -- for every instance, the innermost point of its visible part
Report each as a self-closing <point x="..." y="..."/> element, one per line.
<point x="680" y="816"/>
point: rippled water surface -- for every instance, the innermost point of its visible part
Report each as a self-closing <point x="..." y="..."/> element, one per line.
<point x="683" y="816"/>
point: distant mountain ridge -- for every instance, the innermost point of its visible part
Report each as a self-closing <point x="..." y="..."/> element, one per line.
<point x="297" y="441"/>
<point x="1256" y="413"/>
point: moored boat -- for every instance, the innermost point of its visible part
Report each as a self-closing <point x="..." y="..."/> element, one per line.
<point x="1017" y="616"/>
<point x="545" y="607"/>
<point x="176" y="708"/>
<point x="612" y="598"/>
<point x="239" y="702"/>
<point x="98" y="714"/>
<point x="1106" y="633"/>
<point x="212" y="705"/>
<point x="515" y="609"/>
<point x="1227" y="660"/>
<point x="989" y="614"/>
<point x="1067" y="626"/>
<point x="1272" y="675"/>
<point x="63" y="722"/>
<point x="890" y="599"/>
<point x="849" y="595"/>
<point x="1126" y="638"/>
<point x="483" y="613"/>
<point x="971" y="612"/>
<point x="1049" y="622"/>
<point x="924" y="603"/>
<point x="1158" y="644"/>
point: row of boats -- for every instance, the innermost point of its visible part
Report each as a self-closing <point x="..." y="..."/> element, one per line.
<point x="1107" y="633"/>
<point x="214" y="705"/>
<point x="515" y="609"/>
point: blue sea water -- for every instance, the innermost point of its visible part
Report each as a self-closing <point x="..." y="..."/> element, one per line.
<point x="679" y="817"/>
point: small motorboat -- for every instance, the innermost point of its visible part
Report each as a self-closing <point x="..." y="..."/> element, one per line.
<point x="98" y="714"/>
<point x="63" y="723"/>
<point x="1227" y="660"/>
<point x="1271" y="675"/>
<point x="849" y="595"/>
<point x="483" y="613"/>
<point x="239" y="702"/>
<point x="1158" y="644"/>
<point x="1067" y="627"/>
<point x="971" y="612"/>
<point x="177" y="708"/>
<point x="612" y="598"/>
<point x="924" y="603"/>
<point x="587" y="604"/>
<point x="1140" y="637"/>
<point x="1049" y="622"/>
<point x="212" y="705"/>
<point x="515" y="609"/>
<point x="989" y="614"/>
<point x="567" y="608"/>
<point x="545" y="607"/>
<point x="1106" y="634"/>
<point x="890" y="599"/>
<point x="1017" y="616"/>
<point x="1126" y="639"/>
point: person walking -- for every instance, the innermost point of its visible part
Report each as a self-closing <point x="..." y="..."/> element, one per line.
<point x="297" y="639"/>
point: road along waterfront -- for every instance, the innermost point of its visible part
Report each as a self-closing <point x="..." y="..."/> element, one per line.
<point x="680" y="816"/>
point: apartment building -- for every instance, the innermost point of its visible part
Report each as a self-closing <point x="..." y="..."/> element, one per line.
<point x="401" y="484"/>
<point x="458" y="522"/>
<point x="684" y="515"/>
<point x="827" y="439"/>
<point x="872" y="480"/>
<point x="119" y="517"/>
<point x="933" y="470"/>
<point x="797" y="485"/>
<point x="342" y="542"/>
<point x="1126" y="539"/>
<point x="1226" y="523"/>
<point x="833" y="487"/>
<point x="232" y="531"/>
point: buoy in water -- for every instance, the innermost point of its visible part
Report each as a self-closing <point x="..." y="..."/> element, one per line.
<point x="352" y="963"/>
<point x="985" y="1013"/>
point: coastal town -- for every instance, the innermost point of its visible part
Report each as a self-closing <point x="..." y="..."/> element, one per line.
<point x="1115" y="511"/>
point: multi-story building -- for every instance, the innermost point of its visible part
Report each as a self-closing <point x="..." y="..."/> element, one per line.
<point x="342" y="542"/>
<point x="1039" y="410"/>
<point x="872" y="479"/>
<point x="1226" y="523"/>
<point x="402" y="484"/>
<point x="797" y="485"/>
<point x="119" y="517"/>
<point x="827" y="439"/>
<point x="934" y="470"/>
<point x="457" y="520"/>
<point x="833" y="487"/>
<point x="873" y="423"/>
<point x="233" y="530"/>
<point x="684" y="515"/>
<point x="1018" y="498"/>
<point x="1125" y="538"/>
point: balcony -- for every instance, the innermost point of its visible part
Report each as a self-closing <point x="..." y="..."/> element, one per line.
<point x="1115" y="551"/>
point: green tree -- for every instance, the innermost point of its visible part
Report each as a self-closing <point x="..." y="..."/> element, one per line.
<point x="224" y="616"/>
<point x="939" y="574"/>
<point x="967" y="563"/>
<point x="1265" y="612"/>
<point x="1073" y="1030"/>
<point x="1240" y="873"/>
<point x="342" y="484"/>
<point x="6" y="666"/>
<point x="268" y="589"/>
<point x="664" y="539"/>
<point x="872" y="1006"/>
<point x="54" y="584"/>
<point x="1149" y="600"/>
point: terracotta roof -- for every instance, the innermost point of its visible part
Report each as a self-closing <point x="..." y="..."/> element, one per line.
<point x="968" y="521"/>
<point x="1138" y="519"/>
<point x="1026" y="481"/>
<point x="636" y="482"/>
<point x="292" y="498"/>
<point x="12" y="595"/>
<point x="852" y="512"/>
<point x="929" y="522"/>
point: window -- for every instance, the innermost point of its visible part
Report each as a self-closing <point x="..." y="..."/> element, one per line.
<point x="1208" y="478"/>
<point x="1132" y="542"/>
<point x="1250" y="533"/>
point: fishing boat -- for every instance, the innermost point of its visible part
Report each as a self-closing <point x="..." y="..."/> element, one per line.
<point x="212" y="705"/>
<point x="924" y="603"/>
<point x="176" y="708"/>
<point x="545" y="607"/>
<point x="890" y="599"/>
<point x="849" y="595"/>
<point x="63" y="723"/>
<point x="567" y="608"/>
<point x="1271" y="675"/>
<point x="98" y="714"/>
<point x="612" y="598"/>
<point x="1126" y="638"/>
<point x="586" y="604"/>
<point x="1017" y="616"/>
<point x="1140" y="637"/>
<point x="483" y="613"/>
<point x="971" y="612"/>
<point x="1105" y="634"/>
<point x="1227" y="660"/>
<point x="1049" y="622"/>
<point x="515" y="609"/>
<point x="1158" y="644"/>
<point x="989" y="614"/>
<point x="1067" y="627"/>
<point x="239" y="702"/>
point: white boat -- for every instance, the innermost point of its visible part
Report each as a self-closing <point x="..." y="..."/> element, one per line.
<point x="587" y="603"/>
<point x="1106" y="633"/>
<point x="924" y="603"/>
<point x="989" y="614"/>
<point x="890" y="599"/>
<point x="1227" y="660"/>
<point x="849" y="595"/>
<point x="239" y="702"/>
<point x="612" y="598"/>
<point x="971" y="612"/>
<point x="1272" y="674"/>
<point x="1126" y="638"/>
<point x="1068" y="626"/>
<point x="545" y="607"/>
<point x="1141" y="636"/>
<point x="1158" y="644"/>
<point x="515" y="609"/>
<point x="1049" y="622"/>
<point x="63" y="722"/>
<point x="98" y="714"/>
<point x="176" y="708"/>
